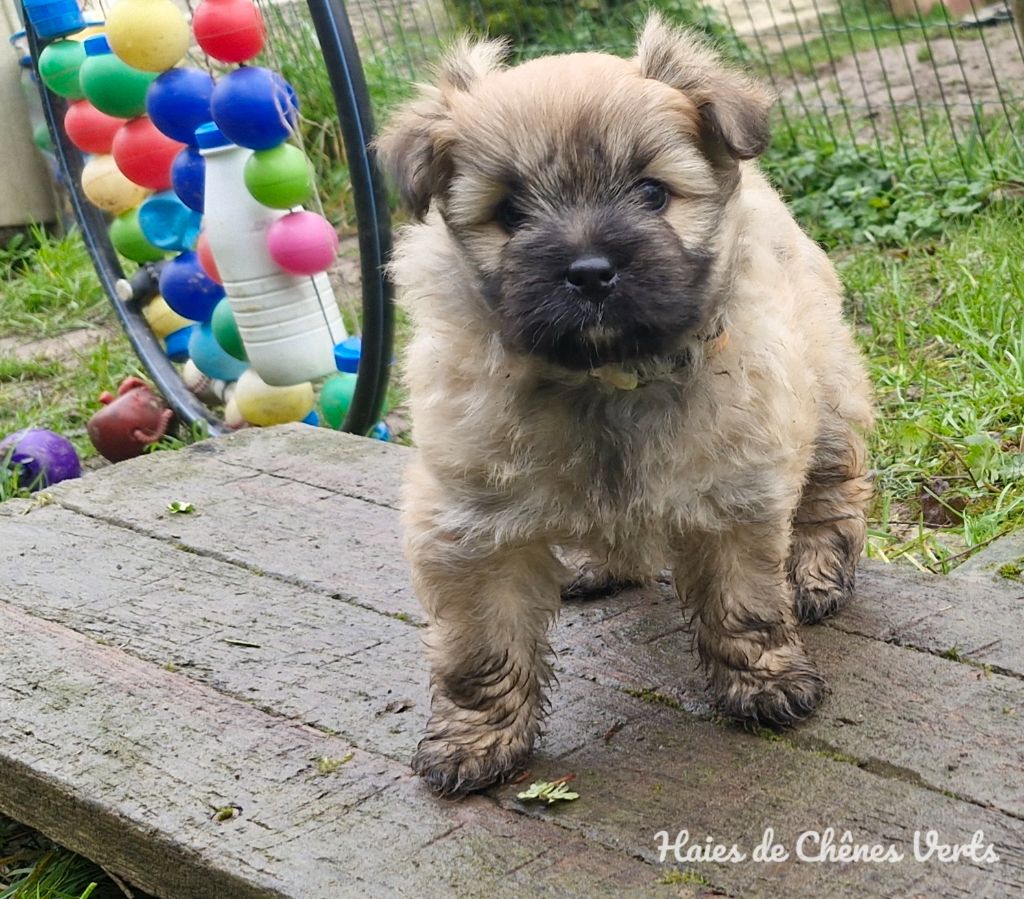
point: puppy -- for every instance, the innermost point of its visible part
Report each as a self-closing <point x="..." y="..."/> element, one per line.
<point x="623" y="345"/>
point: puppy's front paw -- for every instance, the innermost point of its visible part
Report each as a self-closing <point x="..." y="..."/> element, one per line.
<point x="458" y="761"/>
<point x="781" y="689"/>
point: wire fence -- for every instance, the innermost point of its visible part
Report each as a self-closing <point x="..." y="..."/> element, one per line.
<point x="903" y="82"/>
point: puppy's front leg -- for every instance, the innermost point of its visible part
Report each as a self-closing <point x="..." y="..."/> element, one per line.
<point x="740" y="604"/>
<point x="489" y="609"/>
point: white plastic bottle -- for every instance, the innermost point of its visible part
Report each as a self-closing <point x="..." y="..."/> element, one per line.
<point x="289" y="324"/>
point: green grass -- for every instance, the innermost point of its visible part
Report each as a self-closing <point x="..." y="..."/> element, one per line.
<point x="942" y="331"/>
<point x="48" y="287"/>
<point x="31" y="867"/>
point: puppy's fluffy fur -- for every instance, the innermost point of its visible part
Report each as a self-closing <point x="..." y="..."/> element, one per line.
<point x="623" y="346"/>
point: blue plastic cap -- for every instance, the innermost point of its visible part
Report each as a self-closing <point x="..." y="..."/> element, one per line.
<point x="209" y="137"/>
<point x="312" y="419"/>
<point x="347" y="353"/>
<point x="54" y="18"/>
<point x="177" y="344"/>
<point x="97" y="45"/>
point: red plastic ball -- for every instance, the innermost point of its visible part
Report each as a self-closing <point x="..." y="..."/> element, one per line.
<point x="229" y="30"/>
<point x="89" y="129"/>
<point x="206" y="259"/>
<point x="144" y="155"/>
<point x="302" y="243"/>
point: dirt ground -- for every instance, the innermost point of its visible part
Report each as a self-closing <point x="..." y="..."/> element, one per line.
<point x="982" y="68"/>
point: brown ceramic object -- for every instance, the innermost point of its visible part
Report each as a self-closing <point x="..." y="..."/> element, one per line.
<point x="129" y="422"/>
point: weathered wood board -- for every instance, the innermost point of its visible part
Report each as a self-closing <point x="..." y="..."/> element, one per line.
<point x="263" y="653"/>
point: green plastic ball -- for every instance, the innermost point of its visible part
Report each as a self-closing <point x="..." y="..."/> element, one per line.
<point x="336" y="397"/>
<point x="59" y="65"/>
<point x="280" y="177"/>
<point x="225" y="331"/>
<point x="41" y="137"/>
<point x="114" y="87"/>
<point x="129" y="241"/>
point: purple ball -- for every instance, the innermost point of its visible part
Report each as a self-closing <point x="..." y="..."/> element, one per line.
<point x="44" y="457"/>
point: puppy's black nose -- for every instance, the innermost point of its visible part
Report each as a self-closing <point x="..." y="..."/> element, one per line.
<point x="591" y="275"/>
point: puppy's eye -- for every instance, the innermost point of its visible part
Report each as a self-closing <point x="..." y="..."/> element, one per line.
<point x="509" y="214"/>
<point x="652" y="195"/>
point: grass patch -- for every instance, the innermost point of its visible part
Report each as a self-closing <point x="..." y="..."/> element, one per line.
<point x="31" y="867"/>
<point x="940" y="325"/>
<point x="48" y="287"/>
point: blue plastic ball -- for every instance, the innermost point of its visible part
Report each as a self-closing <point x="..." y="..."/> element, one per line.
<point x="209" y="358"/>
<point x="176" y="344"/>
<point x="188" y="178"/>
<point x="312" y="419"/>
<point x="255" y="108"/>
<point x="168" y="223"/>
<point x="178" y="102"/>
<point x="188" y="290"/>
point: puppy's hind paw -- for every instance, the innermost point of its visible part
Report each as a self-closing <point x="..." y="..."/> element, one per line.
<point x="452" y="769"/>
<point x="771" y="699"/>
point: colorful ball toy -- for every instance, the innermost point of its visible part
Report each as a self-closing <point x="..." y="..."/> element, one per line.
<point x="105" y="186"/>
<point x="336" y="397"/>
<point x="229" y="30"/>
<point x="129" y="240"/>
<point x="209" y="356"/>
<point x="206" y="259"/>
<point x="178" y="102"/>
<point x="162" y="319"/>
<point x="280" y="177"/>
<point x="188" y="290"/>
<point x="263" y="405"/>
<point x="110" y="84"/>
<point x="254" y="108"/>
<point x="188" y="178"/>
<point x="59" y="66"/>
<point x="302" y="243"/>
<point x="225" y="330"/>
<point x="144" y="154"/>
<point x="151" y="35"/>
<point x="168" y="223"/>
<point x="89" y="129"/>
<point x="42" y="457"/>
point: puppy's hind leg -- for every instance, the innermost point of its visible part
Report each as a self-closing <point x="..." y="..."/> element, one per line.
<point x="829" y="528"/>
<point x="733" y="584"/>
<point x="489" y="609"/>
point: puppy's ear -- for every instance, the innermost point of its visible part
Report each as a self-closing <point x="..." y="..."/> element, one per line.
<point x="414" y="148"/>
<point x="734" y="109"/>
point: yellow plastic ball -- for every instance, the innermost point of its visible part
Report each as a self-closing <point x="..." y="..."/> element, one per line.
<point x="162" y="319"/>
<point x="106" y="187"/>
<point x="263" y="405"/>
<point x="151" y="35"/>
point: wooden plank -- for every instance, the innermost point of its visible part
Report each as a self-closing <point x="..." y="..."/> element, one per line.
<point x="326" y="538"/>
<point x="658" y="774"/>
<point x="948" y="726"/>
<point x="128" y="764"/>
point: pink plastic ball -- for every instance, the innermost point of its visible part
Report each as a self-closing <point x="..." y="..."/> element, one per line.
<point x="302" y="243"/>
